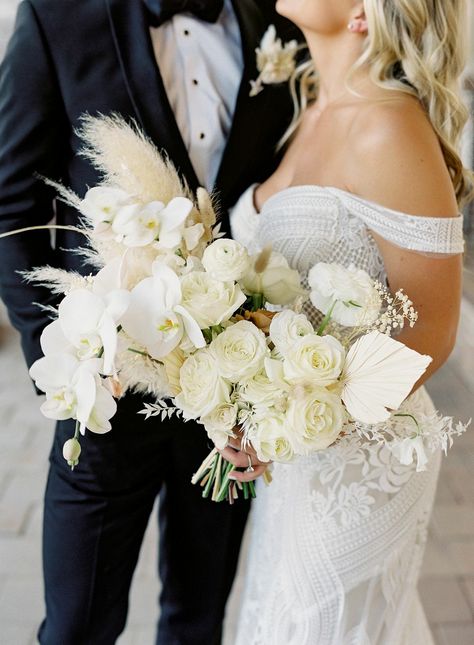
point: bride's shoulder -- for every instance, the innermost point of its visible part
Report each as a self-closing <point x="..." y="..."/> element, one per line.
<point x="398" y="160"/>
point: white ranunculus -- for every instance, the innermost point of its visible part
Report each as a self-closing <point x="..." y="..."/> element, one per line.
<point x="314" y="359"/>
<point x="315" y="419"/>
<point x="156" y="318"/>
<point x="279" y="284"/>
<point x="240" y="351"/>
<point x="220" y="422"/>
<point x="350" y="291"/>
<point x="208" y="300"/>
<point x="202" y="387"/>
<point x="226" y="260"/>
<point x="270" y="436"/>
<point x="74" y="390"/>
<point x="286" y="327"/>
<point x="101" y="205"/>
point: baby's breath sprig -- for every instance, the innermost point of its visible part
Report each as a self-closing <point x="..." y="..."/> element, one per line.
<point x="398" y="311"/>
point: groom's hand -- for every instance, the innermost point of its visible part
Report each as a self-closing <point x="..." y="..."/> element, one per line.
<point x="243" y="456"/>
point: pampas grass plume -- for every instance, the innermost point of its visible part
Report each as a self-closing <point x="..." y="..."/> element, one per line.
<point x="129" y="160"/>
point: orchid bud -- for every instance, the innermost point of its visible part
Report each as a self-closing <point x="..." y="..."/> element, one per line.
<point x="71" y="452"/>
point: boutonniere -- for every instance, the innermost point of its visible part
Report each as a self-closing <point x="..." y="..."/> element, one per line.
<point x="275" y="62"/>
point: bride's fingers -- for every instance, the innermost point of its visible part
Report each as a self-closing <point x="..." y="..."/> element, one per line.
<point x="248" y="476"/>
<point x="235" y="443"/>
<point x="237" y="458"/>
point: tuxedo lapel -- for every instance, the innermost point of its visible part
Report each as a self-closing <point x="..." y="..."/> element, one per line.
<point x="243" y="136"/>
<point x="130" y="29"/>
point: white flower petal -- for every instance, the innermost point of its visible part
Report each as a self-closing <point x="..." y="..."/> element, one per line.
<point x="53" y="340"/>
<point x="191" y="327"/>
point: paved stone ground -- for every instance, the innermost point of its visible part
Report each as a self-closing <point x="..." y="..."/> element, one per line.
<point x="447" y="584"/>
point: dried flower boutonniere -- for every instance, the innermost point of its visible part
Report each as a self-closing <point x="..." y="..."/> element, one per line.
<point x="275" y="62"/>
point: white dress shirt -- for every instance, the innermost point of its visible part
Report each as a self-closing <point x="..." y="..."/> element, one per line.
<point x="201" y="65"/>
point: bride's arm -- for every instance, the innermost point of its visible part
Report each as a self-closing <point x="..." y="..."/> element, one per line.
<point x="401" y="166"/>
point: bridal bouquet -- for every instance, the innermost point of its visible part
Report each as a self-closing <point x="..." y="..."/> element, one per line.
<point x="174" y="310"/>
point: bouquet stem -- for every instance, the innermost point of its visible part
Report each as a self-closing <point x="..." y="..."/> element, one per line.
<point x="213" y="476"/>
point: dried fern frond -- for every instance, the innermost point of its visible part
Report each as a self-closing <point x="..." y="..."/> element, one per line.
<point x="128" y="159"/>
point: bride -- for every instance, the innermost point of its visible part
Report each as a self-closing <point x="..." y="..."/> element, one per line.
<point x="370" y="176"/>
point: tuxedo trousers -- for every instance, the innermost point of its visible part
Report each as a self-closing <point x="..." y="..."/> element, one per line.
<point x="95" y="517"/>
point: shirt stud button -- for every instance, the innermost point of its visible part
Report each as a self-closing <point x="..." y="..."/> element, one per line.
<point x="202" y="135"/>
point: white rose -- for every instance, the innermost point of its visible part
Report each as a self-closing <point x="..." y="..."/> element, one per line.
<point x="260" y="390"/>
<point x="270" y="436"/>
<point x="202" y="388"/>
<point x="220" y="422"/>
<point x="351" y="291"/>
<point x="210" y="301"/>
<point x="279" y="284"/>
<point x="315" y="418"/>
<point x="286" y="327"/>
<point x="240" y="351"/>
<point x="226" y="260"/>
<point x="314" y="359"/>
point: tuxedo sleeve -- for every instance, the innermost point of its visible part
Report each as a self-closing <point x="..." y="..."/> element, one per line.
<point x="33" y="133"/>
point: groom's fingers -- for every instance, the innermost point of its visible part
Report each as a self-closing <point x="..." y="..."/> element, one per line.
<point x="248" y="477"/>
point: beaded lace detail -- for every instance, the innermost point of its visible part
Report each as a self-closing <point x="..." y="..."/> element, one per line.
<point x="337" y="539"/>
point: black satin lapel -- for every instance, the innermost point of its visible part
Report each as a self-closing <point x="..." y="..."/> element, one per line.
<point x="144" y="84"/>
<point x="243" y="136"/>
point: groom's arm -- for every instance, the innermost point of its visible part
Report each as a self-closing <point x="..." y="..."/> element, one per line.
<point x="33" y="136"/>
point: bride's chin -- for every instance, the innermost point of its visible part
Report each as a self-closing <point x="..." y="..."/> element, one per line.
<point x="300" y="12"/>
<point x="288" y="8"/>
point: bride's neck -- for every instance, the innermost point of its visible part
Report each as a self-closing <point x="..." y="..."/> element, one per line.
<point x="334" y="57"/>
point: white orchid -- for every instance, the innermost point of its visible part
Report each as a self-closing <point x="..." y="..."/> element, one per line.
<point x="87" y="326"/>
<point x="101" y="205"/>
<point x="156" y="318"/>
<point x="405" y="450"/>
<point x="74" y="390"/>
<point x="141" y="225"/>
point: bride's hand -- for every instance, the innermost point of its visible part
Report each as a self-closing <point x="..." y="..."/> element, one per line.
<point x="243" y="458"/>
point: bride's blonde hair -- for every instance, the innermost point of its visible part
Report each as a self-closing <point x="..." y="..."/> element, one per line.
<point x="417" y="47"/>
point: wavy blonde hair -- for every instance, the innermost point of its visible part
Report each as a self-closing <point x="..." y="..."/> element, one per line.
<point x="417" y="47"/>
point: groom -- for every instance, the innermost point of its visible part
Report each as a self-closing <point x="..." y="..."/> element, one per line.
<point x="182" y="70"/>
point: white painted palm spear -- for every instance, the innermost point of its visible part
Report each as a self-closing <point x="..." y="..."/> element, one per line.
<point x="378" y="374"/>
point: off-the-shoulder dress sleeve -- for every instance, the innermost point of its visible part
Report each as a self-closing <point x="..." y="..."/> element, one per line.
<point x="441" y="235"/>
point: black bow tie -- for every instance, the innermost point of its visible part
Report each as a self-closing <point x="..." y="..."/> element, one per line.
<point x="162" y="10"/>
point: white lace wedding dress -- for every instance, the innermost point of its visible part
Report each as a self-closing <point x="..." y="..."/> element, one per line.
<point x="337" y="539"/>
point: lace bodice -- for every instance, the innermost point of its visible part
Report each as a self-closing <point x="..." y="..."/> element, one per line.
<point x="310" y="224"/>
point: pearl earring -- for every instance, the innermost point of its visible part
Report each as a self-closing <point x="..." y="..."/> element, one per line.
<point x="357" y="26"/>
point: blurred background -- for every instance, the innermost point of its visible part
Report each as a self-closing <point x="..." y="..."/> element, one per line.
<point x="447" y="583"/>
